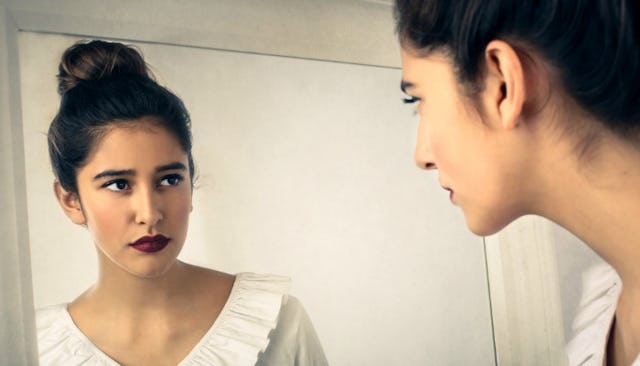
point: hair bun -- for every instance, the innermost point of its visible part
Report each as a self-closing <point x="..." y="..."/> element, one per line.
<point x="95" y="60"/>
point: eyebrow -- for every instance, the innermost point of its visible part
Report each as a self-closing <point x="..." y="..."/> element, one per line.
<point x="125" y="172"/>
<point x="171" y="166"/>
<point x="114" y="173"/>
<point x="404" y="85"/>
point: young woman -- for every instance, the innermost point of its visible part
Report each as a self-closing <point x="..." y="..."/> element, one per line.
<point x="120" y="147"/>
<point x="533" y="107"/>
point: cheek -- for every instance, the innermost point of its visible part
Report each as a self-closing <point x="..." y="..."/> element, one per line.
<point x="181" y="208"/>
<point x="104" y="218"/>
<point x="183" y="211"/>
<point x="435" y="130"/>
<point x="445" y="158"/>
<point x="455" y="143"/>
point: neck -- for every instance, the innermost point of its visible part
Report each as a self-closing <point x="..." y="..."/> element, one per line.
<point x="125" y="292"/>
<point x="597" y="198"/>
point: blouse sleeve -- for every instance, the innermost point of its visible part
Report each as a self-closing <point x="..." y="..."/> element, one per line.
<point x="294" y="341"/>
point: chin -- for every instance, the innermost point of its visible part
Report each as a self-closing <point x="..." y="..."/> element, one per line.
<point x="483" y="231"/>
<point x="486" y="225"/>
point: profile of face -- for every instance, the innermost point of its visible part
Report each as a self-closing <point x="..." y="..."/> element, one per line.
<point x="478" y="161"/>
<point x="134" y="193"/>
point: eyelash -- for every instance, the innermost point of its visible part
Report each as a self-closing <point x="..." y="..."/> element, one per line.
<point x="410" y="100"/>
<point x="177" y="177"/>
<point x="113" y="182"/>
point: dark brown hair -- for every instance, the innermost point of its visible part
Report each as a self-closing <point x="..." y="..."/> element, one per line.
<point x="104" y="84"/>
<point x="593" y="44"/>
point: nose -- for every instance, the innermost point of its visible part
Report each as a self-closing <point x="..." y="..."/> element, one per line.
<point x="147" y="207"/>
<point x="422" y="155"/>
<point x="423" y="162"/>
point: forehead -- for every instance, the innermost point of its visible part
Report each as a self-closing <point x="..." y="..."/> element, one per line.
<point x="140" y="142"/>
<point x="418" y="67"/>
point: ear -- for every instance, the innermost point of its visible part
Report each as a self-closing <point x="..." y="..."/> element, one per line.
<point x="70" y="203"/>
<point x="505" y="82"/>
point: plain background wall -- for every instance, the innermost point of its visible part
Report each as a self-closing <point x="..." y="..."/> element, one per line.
<point x="305" y="169"/>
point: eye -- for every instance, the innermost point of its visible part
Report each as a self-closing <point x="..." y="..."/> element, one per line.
<point x="410" y="100"/>
<point x="117" y="185"/>
<point x="171" y="180"/>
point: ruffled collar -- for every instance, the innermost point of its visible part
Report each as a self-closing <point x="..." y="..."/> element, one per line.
<point x="237" y="337"/>
<point x="600" y="294"/>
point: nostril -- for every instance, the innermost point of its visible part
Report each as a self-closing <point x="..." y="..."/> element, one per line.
<point x="430" y="165"/>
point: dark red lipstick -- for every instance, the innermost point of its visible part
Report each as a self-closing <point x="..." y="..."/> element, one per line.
<point x="150" y="244"/>
<point x="450" y="193"/>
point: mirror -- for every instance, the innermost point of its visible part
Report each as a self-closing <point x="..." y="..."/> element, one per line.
<point x="305" y="169"/>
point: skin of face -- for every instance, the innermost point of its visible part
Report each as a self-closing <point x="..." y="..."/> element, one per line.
<point x="478" y="157"/>
<point x="135" y="183"/>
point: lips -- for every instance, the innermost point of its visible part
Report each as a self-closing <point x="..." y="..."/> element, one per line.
<point x="450" y="192"/>
<point x="150" y="244"/>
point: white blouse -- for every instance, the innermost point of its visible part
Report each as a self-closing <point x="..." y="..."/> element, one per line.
<point x="259" y="325"/>
<point x="601" y="290"/>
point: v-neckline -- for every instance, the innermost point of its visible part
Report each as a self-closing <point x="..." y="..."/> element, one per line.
<point x="105" y="357"/>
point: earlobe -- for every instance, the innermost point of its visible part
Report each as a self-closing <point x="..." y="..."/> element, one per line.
<point x="70" y="203"/>
<point x="505" y="65"/>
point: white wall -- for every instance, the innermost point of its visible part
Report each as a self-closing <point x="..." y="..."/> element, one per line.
<point x="17" y="328"/>
<point x="305" y="169"/>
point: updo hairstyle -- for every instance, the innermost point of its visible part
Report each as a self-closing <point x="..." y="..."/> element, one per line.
<point x="103" y="84"/>
<point x="593" y="45"/>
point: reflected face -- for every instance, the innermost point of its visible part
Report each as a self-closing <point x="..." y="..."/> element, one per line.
<point x="135" y="194"/>
<point x="467" y="151"/>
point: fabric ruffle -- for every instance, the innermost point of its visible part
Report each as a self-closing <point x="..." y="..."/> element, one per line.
<point x="601" y="289"/>
<point x="237" y="337"/>
<point x="242" y="329"/>
<point x="60" y="342"/>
